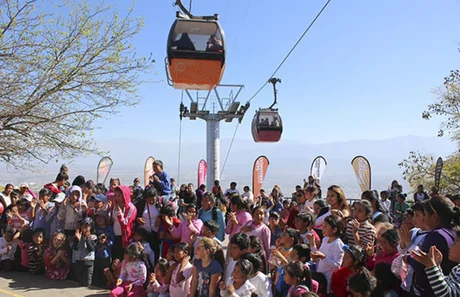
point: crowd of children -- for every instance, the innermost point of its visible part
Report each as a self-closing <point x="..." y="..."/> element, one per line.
<point x="160" y="241"/>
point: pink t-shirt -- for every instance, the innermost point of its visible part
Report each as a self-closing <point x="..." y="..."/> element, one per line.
<point x="184" y="231"/>
<point x="242" y="217"/>
<point x="263" y="233"/>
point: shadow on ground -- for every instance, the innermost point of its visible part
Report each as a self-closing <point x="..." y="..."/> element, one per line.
<point x="27" y="285"/>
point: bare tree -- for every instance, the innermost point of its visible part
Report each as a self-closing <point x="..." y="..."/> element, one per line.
<point x="61" y="71"/>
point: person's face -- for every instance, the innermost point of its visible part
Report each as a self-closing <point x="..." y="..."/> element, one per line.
<point x="191" y="212"/>
<point x="384" y="244"/>
<point x="420" y="189"/>
<point x="418" y="219"/>
<point x="151" y="200"/>
<point x="295" y="256"/>
<point x="327" y="230"/>
<point x="200" y="252"/>
<point x="316" y="208"/>
<point x="23" y="190"/>
<point x="119" y="198"/>
<point x="258" y="215"/>
<point x="431" y="220"/>
<point x="173" y="182"/>
<point x="206" y="203"/>
<point x="137" y="237"/>
<point x="113" y="185"/>
<point x="208" y="233"/>
<point x="178" y="255"/>
<point x="74" y="196"/>
<point x="234" y="251"/>
<point x="86" y="229"/>
<point x="286" y="240"/>
<point x="58" y="241"/>
<point x="332" y="198"/>
<point x="38" y="239"/>
<point x="300" y="197"/>
<point x="310" y="179"/>
<point x="347" y="260"/>
<point x="273" y="221"/>
<point x="190" y="188"/>
<point x="8" y="190"/>
<point x="98" y="204"/>
<point x="100" y="220"/>
<point x="157" y="168"/>
<point x="300" y="224"/>
<point x="359" y="213"/>
<point x="238" y="275"/>
<point x="232" y="186"/>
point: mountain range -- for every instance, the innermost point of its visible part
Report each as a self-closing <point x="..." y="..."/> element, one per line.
<point x="290" y="161"/>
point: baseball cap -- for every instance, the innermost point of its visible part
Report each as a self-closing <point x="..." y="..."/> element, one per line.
<point x="24" y="185"/>
<point x="101" y="197"/>
<point x="59" y="198"/>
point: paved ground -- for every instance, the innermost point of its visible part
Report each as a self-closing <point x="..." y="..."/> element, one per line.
<point x="25" y="285"/>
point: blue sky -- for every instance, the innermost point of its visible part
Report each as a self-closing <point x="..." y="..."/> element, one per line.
<point x="366" y="70"/>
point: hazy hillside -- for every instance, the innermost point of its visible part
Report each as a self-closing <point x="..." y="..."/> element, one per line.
<point x="290" y="161"/>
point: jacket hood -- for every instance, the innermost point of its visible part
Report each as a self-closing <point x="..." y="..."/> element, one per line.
<point x="73" y="189"/>
<point x="126" y="191"/>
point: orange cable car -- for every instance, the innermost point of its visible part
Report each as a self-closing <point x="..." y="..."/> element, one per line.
<point x="196" y="52"/>
<point x="266" y="124"/>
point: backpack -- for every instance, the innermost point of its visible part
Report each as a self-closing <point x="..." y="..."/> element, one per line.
<point x="214" y="213"/>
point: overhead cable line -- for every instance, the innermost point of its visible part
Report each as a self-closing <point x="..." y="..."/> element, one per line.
<point x="276" y="70"/>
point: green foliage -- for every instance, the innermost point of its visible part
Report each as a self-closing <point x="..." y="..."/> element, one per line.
<point x="61" y="71"/>
<point x="447" y="105"/>
<point x="419" y="169"/>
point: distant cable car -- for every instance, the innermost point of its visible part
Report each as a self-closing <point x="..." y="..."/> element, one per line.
<point x="267" y="125"/>
<point x="196" y="51"/>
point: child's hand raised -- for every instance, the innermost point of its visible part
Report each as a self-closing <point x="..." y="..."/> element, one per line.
<point x="430" y="259"/>
<point x="370" y="252"/>
<point x="231" y="289"/>
<point x="78" y="234"/>
<point x="119" y="282"/>
<point x="152" y="278"/>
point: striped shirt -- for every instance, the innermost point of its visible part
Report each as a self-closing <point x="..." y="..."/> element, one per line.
<point x="444" y="286"/>
<point x="366" y="232"/>
<point x="36" y="264"/>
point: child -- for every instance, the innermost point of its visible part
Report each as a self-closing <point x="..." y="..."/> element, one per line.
<point x="180" y="273"/>
<point x="255" y="246"/>
<point x="24" y="242"/>
<point x="133" y="274"/>
<point x="442" y="285"/>
<point x="84" y="245"/>
<point x="40" y="209"/>
<point x="148" y="255"/>
<point x="304" y="223"/>
<point x="238" y="217"/>
<point x="55" y="222"/>
<point x="301" y="252"/>
<point x="57" y="258"/>
<point x="19" y="217"/>
<point x="112" y="273"/>
<point x="240" y="286"/>
<point x="157" y="286"/>
<point x="239" y="244"/>
<point x="411" y="240"/>
<point x="285" y="212"/>
<point x="103" y="253"/>
<point x="362" y="284"/>
<point x="384" y="202"/>
<point x="7" y="249"/>
<point x="298" y="276"/>
<point x="310" y="197"/>
<point x="99" y="204"/>
<point x="168" y="219"/>
<point x="210" y="230"/>
<point x="359" y="230"/>
<point x="289" y="238"/>
<point x="72" y="210"/>
<point x="273" y="224"/>
<point x="35" y="252"/>
<point x="388" y="243"/>
<point x="258" y="279"/>
<point x="257" y="228"/>
<point x="353" y="260"/>
<point x="386" y="280"/>
<point x="400" y="207"/>
<point x="207" y="271"/>
<point x="329" y="256"/>
<point x="189" y="227"/>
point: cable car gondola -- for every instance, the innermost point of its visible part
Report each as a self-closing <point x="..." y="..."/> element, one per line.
<point x="267" y="125"/>
<point x="196" y="51"/>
